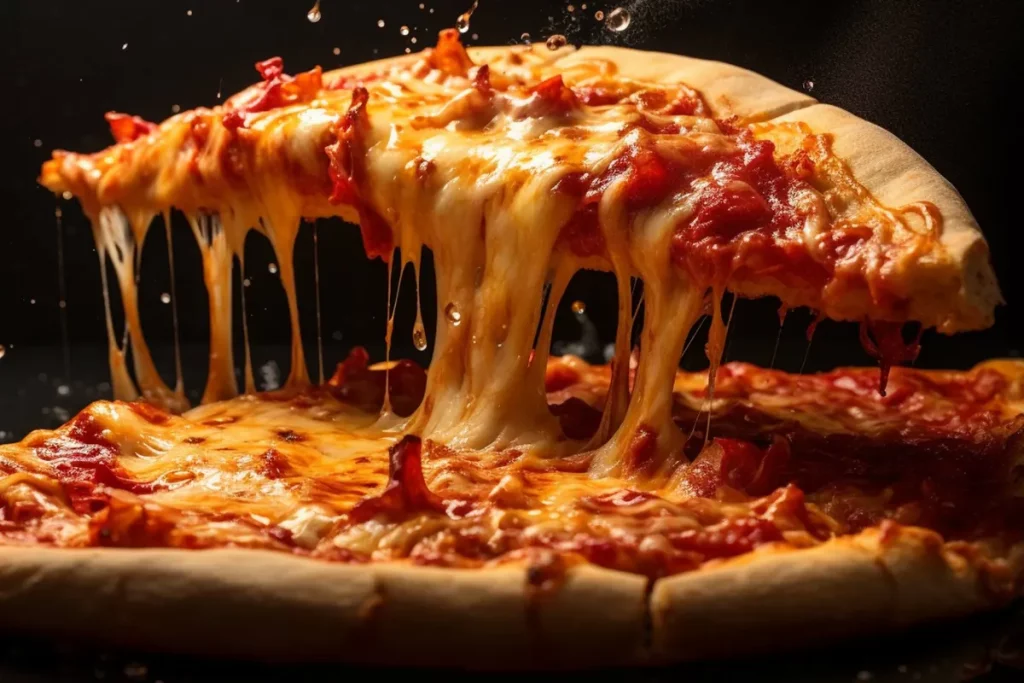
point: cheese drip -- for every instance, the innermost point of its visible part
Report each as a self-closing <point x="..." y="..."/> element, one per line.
<point x="477" y="180"/>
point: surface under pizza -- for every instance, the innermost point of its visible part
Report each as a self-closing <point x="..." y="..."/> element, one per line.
<point x="531" y="509"/>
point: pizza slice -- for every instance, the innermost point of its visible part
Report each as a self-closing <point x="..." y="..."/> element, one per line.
<point x="538" y="511"/>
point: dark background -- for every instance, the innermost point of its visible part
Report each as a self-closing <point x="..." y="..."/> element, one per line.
<point x="941" y="75"/>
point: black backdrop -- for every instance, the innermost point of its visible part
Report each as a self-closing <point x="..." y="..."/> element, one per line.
<point x="941" y="75"/>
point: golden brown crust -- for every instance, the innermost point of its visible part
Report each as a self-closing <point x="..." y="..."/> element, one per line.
<point x="874" y="582"/>
<point x="268" y="606"/>
<point x="952" y="288"/>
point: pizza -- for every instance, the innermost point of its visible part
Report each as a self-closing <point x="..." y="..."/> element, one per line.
<point x="504" y="508"/>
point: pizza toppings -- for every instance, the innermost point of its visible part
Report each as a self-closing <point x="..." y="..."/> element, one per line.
<point x="127" y="128"/>
<point x="516" y="173"/>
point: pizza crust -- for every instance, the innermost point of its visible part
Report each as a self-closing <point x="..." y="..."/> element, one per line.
<point x="269" y="606"/>
<point x="875" y="582"/>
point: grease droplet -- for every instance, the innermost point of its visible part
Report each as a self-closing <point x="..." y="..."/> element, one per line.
<point x="404" y="30"/>
<point x="525" y="37"/>
<point x="336" y="51"/>
<point x="618" y="20"/>
<point x="462" y="23"/>
<point x="451" y="312"/>
<point x="314" y="13"/>
<point x="556" y="41"/>
<point x="165" y="298"/>
<point x="578" y="307"/>
<point x="380" y="23"/>
<point x="599" y="15"/>
<point x="808" y="85"/>
<point x="419" y="337"/>
<point x="67" y="194"/>
<point x="272" y="267"/>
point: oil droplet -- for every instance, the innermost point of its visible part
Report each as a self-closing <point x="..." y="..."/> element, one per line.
<point x="188" y="13"/>
<point x="336" y="51"/>
<point x="583" y="6"/>
<point x="578" y="307"/>
<point x="556" y="41"/>
<point x="408" y="50"/>
<point x="599" y="15"/>
<point x="475" y="36"/>
<point x="462" y="23"/>
<point x="380" y="23"/>
<point x="571" y="8"/>
<point x="3" y="350"/>
<point x="246" y="282"/>
<point x="32" y="301"/>
<point x="404" y="30"/>
<point x="808" y="85"/>
<point x="525" y="37"/>
<point x="67" y="195"/>
<point x="37" y="143"/>
<point x="125" y="46"/>
<point x="63" y="390"/>
<point x="451" y="312"/>
<point x="175" y="108"/>
<point x="413" y="40"/>
<point x="165" y="297"/>
<point x="419" y="337"/>
<point x="618" y="20"/>
<point x="314" y="13"/>
<point x="62" y="304"/>
<point x="272" y="267"/>
<point x="422" y="5"/>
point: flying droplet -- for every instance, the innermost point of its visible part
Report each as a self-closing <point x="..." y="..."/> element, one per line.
<point x="413" y="40"/>
<point x="125" y="46"/>
<point x="571" y="8"/>
<point x="525" y="37"/>
<point x="475" y="36"/>
<point x="175" y="108"/>
<point x="165" y="297"/>
<point x="808" y="85"/>
<point x="67" y="195"/>
<point x="404" y="30"/>
<point x="462" y="23"/>
<point x="422" y="5"/>
<point x="314" y="13"/>
<point x="62" y="303"/>
<point x="578" y="307"/>
<point x="599" y="15"/>
<point x="37" y="143"/>
<point x="32" y="301"/>
<point x="336" y="51"/>
<point x="408" y="50"/>
<point x="556" y="41"/>
<point x="272" y="267"/>
<point x="3" y="350"/>
<point x="63" y="390"/>
<point x="583" y="6"/>
<point x="419" y="337"/>
<point x="618" y="20"/>
<point x="246" y="282"/>
<point x="188" y="13"/>
<point x="451" y="312"/>
<point x="380" y="23"/>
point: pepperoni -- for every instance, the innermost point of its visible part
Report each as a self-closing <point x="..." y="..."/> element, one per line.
<point x="278" y="89"/>
<point x="449" y="55"/>
<point x="347" y="157"/>
<point x="354" y="382"/>
<point x="578" y="419"/>
<point x="126" y="128"/>
<point x="406" y="492"/>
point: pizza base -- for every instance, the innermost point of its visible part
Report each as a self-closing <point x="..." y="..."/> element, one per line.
<point x="269" y="606"/>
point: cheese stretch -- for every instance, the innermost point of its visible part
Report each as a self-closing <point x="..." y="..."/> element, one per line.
<point x="515" y="174"/>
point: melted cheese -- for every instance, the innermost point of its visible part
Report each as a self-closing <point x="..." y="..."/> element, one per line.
<point x="472" y="173"/>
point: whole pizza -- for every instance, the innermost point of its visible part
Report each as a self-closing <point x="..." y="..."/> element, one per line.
<point x="504" y="508"/>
